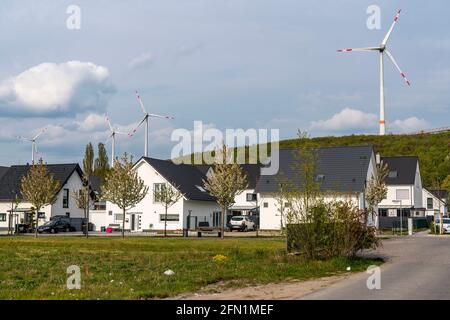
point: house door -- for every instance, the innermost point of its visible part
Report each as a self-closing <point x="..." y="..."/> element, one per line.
<point x="135" y="222"/>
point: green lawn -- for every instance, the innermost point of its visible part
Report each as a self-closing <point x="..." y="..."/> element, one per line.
<point x="133" y="268"/>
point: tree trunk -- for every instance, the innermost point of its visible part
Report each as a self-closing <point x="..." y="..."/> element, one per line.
<point x="165" y="223"/>
<point x="224" y="218"/>
<point x="123" y="224"/>
<point x="37" y="224"/>
<point x="87" y="212"/>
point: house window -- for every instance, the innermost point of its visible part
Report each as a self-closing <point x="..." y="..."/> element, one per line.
<point x="393" y="174"/>
<point x="319" y="178"/>
<point x="383" y="212"/>
<point x="110" y="213"/>
<point x="2" y="217"/>
<point x="251" y="197"/>
<point x="170" y="217"/>
<point x="68" y="214"/>
<point x="65" y="198"/>
<point x="41" y="215"/>
<point x="265" y="204"/>
<point x="429" y="203"/>
<point x="402" y="194"/>
<point x="157" y="188"/>
<point x="118" y="216"/>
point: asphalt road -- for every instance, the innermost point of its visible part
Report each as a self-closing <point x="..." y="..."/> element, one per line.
<point x="417" y="267"/>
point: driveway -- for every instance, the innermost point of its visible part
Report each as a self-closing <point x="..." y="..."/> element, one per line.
<point x="418" y="267"/>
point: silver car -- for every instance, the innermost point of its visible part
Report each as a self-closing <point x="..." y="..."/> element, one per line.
<point x="242" y="223"/>
<point x="445" y="225"/>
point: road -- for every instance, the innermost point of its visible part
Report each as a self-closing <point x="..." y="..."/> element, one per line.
<point x="417" y="267"/>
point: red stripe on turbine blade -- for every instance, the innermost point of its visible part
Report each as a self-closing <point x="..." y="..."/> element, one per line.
<point x="403" y="75"/>
<point x="408" y="83"/>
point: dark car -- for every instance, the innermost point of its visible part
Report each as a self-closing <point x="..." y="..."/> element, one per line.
<point x="54" y="226"/>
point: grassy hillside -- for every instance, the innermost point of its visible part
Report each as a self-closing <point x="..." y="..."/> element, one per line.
<point x="433" y="150"/>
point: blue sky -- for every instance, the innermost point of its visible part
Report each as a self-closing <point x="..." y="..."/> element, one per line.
<point x="231" y="64"/>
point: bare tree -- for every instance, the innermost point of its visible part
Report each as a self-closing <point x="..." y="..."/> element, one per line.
<point x="81" y="199"/>
<point x="376" y="190"/>
<point x="124" y="187"/>
<point x="167" y="195"/>
<point x="88" y="164"/>
<point x="40" y="188"/>
<point x="226" y="181"/>
<point x="14" y="204"/>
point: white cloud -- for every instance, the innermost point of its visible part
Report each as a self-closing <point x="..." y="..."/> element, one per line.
<point x="409" y="125"/>
<point x="347" y="119"/>
<point x="51" y="89"/>
<point x="356" y="121"/>
<point x="93" y="122"/>
<point x="143" y="60"/>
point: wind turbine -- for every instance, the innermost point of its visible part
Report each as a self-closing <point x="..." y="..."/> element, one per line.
<point x="112" y="136"/>
<point x="33" y="143"/>
<point x="382" y="49"/>
<point x="145" y="119"/>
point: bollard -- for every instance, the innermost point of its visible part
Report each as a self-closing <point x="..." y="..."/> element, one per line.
<point x="410" y="226"/>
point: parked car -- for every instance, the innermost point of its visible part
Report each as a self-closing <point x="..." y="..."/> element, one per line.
<point x="54" y="226"/>
<point x="242" y="223"/>
<point x="445" y="224"/>
<point x="24" y="228"/>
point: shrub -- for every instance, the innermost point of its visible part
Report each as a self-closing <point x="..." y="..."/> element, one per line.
<point x="331" y="230"/>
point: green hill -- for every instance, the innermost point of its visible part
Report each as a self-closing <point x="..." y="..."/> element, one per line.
<point x="433" y="150"/>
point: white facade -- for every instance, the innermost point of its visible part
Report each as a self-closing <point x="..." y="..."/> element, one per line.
<point x="149" y="215"/>
<point x="433" y="205"/>
<point x="411" y="196"/>
<point x="74" y="183"/>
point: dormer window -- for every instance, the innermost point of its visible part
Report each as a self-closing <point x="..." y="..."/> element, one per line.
<point x="201" y="188"/>
<point x="393" y="174"/>
<point x="319" y="178"/>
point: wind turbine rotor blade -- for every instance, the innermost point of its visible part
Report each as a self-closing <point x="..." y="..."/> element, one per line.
<point x="159" y="116"/>
<point x="24" y="139"/>
<point x="138" y="126"/>
<point x="388" y="34"/>
<point x="109" y="124"/>
<point x="391" y="57"/>
<point x="141" y="103"/>
<point x="359" y="49"/>
<point x="109" y="139"/>
<point x="39" y="134"/>
<point x="120" y="132"/>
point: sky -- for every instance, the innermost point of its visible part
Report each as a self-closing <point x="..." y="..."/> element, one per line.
<point x="230" y="64"/>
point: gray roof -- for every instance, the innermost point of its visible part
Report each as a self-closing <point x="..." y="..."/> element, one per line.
<point x="404" y="166"/>
<point x="3" y="170"/>
<point x="10" y="182"/>
<point x="344" y="169"/>
<point x="252" y="171"/>
<point x="187" y="178"/>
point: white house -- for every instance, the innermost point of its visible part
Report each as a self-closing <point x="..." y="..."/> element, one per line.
<point x="69" y="177"/>
<point x="341" y="171"/>
<point x="196" y="204"/>
<point x="405" y="191"/>
<point x="435" y="202"/>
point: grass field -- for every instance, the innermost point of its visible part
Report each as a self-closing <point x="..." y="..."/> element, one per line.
<point x="133" y="268"/>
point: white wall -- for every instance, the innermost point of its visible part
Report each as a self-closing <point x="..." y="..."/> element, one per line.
<point x="438" y="205"/>
<point x="74" y="183"/>
<point x="270" y="217"/>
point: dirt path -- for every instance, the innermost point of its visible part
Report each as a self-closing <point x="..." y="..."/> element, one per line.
<point x="275" y="291"/>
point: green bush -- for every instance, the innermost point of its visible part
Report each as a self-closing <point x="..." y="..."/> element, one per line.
<point x="331" y="230"/>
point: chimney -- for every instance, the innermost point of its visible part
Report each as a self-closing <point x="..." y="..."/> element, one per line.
<point x="378" y="158"/>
